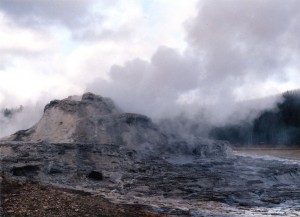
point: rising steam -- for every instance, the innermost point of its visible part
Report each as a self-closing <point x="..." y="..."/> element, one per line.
<point x="237" y="50"/>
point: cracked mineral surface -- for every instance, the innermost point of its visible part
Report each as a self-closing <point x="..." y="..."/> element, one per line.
<point x="91" y="146"/>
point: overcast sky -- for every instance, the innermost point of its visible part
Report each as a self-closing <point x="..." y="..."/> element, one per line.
<point x="148" y="55"/>
<point x="57" y="47"/>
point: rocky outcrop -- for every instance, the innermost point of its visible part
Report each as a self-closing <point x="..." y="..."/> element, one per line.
<point x="96" y="120"/>
<point x="92" y="146"/>
<point x="93" y="119"/>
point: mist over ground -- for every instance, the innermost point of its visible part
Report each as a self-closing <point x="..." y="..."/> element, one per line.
<point x="20" y="118"/>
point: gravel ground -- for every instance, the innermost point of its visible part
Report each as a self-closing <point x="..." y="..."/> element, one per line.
<point x="35" y="200"/>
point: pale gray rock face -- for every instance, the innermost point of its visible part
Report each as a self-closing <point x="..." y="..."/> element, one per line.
<point x="93" y="119"/>
<point x="62" y="118"/>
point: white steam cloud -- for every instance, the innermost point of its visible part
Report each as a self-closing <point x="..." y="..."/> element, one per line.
<point x="237" y="50"/>
<point x="23" y="119"/>
<point x="15" y="117"/>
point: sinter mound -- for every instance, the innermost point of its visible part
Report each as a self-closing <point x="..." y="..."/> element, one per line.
<point x="96" y="120"/>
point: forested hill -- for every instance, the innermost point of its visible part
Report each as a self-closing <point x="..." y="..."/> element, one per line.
<point x="277" y="127"/>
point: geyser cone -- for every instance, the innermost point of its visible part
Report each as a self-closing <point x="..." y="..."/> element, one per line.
<point x="93" y="119"/>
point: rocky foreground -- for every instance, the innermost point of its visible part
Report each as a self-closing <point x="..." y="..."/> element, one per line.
<point x="173" y="185"/>
<point x="36" y="200"/>
<point x="89" y="156"/>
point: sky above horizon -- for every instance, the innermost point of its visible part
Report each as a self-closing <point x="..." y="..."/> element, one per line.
<point x="54" y="48"/>
<point x="146" y="53"/>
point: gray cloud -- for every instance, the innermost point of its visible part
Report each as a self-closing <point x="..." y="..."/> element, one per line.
<point x="69" y="13"/>
<point x="233" y="46"/>
<point x="79" y="16"/>
<point x="105" y="34"/>
<point x="241" y="38"/>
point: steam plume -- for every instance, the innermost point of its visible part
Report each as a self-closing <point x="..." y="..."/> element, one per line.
<point x="236" y="51"/>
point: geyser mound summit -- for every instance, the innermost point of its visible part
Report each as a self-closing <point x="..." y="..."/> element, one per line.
<point x="95" y="119"/>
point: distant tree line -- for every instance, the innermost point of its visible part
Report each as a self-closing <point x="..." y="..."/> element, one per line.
<point x="10" y="112"/>
<point x="280" y="126"/>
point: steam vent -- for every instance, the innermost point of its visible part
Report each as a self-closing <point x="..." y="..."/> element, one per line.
<point x="93" y="151"/>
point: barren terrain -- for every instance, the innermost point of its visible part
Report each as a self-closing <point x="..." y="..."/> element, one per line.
<point x="108" y="163"/>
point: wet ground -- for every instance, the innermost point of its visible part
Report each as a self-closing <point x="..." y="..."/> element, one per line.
<point x="252" y="183"/>
<point x="283" y="153"/>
